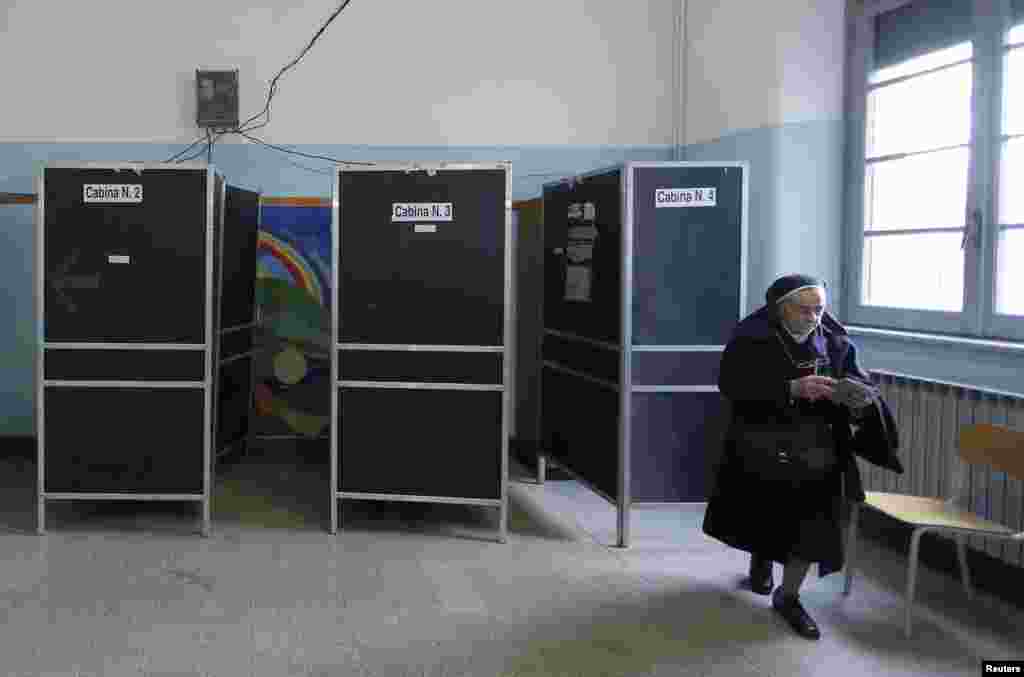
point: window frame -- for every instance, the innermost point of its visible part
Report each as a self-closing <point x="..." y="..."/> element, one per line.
<point x="992" y="18"/>
<point x="1004" y="325"/>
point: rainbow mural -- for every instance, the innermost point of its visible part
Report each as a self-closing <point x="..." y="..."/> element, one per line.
<point x="277" y="258"/>
<point x="293" y="292"/>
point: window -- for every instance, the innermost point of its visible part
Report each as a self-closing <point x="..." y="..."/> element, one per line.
<point x="936" y="228"/>
<point x="916" y="180"/>
<point x="1010" y="241"/>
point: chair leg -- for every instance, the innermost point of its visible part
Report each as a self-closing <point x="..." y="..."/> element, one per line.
<point x="915" y="544"/>
<point x="851" y="545"/>
<point x="965" y="573"/>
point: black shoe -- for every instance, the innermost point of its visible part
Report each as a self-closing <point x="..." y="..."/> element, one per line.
<point x="795" y="614"/>
<point x="761" y="575"/>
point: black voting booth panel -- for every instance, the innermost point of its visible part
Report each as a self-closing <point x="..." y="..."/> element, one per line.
<point x="235" y="318"/>
<point x="129" y="300"/>
<point x="421" y="318"/>
<point x="644" y="281"/>
<point x="528" y="310"/>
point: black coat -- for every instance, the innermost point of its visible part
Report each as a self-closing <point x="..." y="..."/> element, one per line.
<point x="744" y="511"/>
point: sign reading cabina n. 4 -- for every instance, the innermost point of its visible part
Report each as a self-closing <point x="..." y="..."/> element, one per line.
<point x="685" y="197"/>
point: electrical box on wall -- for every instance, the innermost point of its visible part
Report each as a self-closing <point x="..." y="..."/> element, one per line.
<point x="217" y="98"/>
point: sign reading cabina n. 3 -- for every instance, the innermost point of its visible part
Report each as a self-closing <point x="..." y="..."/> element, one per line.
<point x="418" y="211"/>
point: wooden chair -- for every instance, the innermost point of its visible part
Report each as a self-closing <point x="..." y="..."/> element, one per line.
<point x="980" y="444"/>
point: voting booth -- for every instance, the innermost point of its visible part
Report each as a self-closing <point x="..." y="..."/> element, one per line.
<point x="139" y="266"/>
<point x="422" y="325"/>
<point x="645" y="278"/>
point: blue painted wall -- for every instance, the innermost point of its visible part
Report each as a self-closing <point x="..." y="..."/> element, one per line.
<point x="984" y="365"/>
<point x="795" y="200"/>
<point x="796" y="216"/>
<point x="17" y="341"/>
<point x="246" y="165"/>
<point x="275" y="173"/>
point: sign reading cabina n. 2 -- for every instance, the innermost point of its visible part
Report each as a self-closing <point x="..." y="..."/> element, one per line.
<point x="112" y="193"/>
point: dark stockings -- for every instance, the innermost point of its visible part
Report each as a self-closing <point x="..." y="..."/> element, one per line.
<point x="793" y="576"/>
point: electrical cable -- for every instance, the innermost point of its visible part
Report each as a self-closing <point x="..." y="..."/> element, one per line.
<point x="301" y="154"/>
<point x="321" y="171"/>
<point x="244" y="127"/>
<point x="312" y="170"/>
<point x="206" y="149"/>
<point x="185" y="150"/>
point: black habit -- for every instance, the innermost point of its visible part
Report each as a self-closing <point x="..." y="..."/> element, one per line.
<point x="744" y="511"/>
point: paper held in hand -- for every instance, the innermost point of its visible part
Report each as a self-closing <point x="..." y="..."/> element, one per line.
<point x="853" y="393"/>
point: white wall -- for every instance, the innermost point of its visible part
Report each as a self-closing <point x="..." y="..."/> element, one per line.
<point x="764" y="84"/>
<point x="811" y="46"/>
<point x="761" y="64"/>
<point x="732" y="80"/>
<point x="392" y="72"/>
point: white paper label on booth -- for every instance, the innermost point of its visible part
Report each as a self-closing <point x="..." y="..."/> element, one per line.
<point x="577" y="283"/>
<point x="118" y="258"/>
<point x="583" y="233"/>
<point x="685" y="197"/>
<point x="426" y="228"/>
<point x="112" y="193"/>
<point x="420" y="211"/>
<point x="581" y="253"/>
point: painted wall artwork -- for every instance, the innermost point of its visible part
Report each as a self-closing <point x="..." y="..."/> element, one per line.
<point x="293" y="297"/>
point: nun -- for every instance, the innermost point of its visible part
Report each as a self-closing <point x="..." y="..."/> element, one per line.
<point x="801" y="410"/>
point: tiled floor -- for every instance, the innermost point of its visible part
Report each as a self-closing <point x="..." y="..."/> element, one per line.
<point x="412" y="589"/>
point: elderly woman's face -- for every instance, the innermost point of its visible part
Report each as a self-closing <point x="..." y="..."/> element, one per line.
<point x="802" y="312"/>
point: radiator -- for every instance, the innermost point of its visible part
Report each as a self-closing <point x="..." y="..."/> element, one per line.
<point x="929" y="415"/>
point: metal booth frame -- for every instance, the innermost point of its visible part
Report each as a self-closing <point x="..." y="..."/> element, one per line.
<point x="626" y="348"/>
<point x="207" y="348"/>
<point x="505" y="349"/>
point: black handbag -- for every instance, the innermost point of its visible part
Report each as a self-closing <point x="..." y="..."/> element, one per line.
<point x="786" y="454"/>
<point x="877" y="439"/>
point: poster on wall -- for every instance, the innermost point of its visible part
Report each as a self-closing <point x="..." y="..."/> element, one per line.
<point x="293" y="296"/>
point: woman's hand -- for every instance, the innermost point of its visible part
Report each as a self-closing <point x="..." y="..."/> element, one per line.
<point x="853" y="394"/>
<point x="812" y="388"/>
